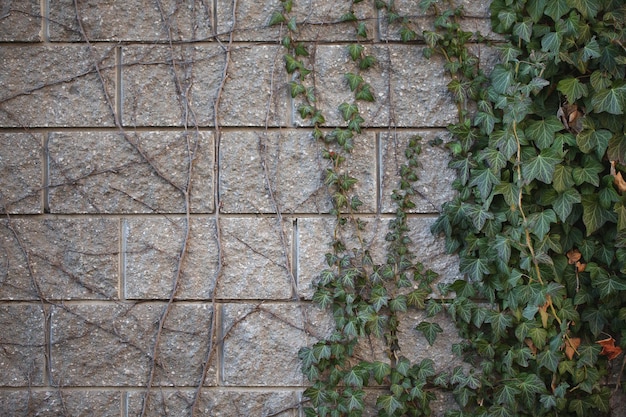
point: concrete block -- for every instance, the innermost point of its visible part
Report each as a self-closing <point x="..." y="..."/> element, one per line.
<point x="255" y="92"/>
<point x="170" y="86"/>
<point x="21" y="173"/>
<point x="131" y="20"/>
<point x="57" y="85"/>
<point x="318" y="20"/>
<point x="289" y="163"/>
<point x="77" y="403"/>
<point x="22" y="345"/>
<point x="216" y="402"/>
<point x="153" y="249"/>
<point x="258" y="262"/>
<point x="434" y="186"/>
<point x="476" y="19"/>
<point x="20" y="21"/>
<point x="69" y="259"/>
<point x="261" y="342"/>
<point x="111" y="345"/>
<point x="141" y="172"/>
<point x="410" y="90"/>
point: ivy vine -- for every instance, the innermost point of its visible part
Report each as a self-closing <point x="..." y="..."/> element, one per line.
<point x="539" y="220"/>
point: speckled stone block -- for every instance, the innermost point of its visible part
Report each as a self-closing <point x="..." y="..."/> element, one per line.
<point x="409" y="90"/>
<point x="22" y="345"/>
<point x="21" y="173"/>
<point x="69" y="259"/>
<point x="216" y="402"/>
<point x="476" y="19"/>
<point x="317" y="20"/>
<point x="57" y="85"/>
<point x="77" y="403"/>
<point x="257" y="254"/>
<point x="434" y="184"/>
<point x="153" y="250"/>
<point x="20" y="21"/>
<point x="255" y="93"/>
<point x="142" y="172"/>
<point x="170" y="85"/>
<point x="131" y="20"/>
<point x="290" y="165"/>
<point x="261" y="342"/>
<point x="315" y="237"/>
<point x="111" y="345"/>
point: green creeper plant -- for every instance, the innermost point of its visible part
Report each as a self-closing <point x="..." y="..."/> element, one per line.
<point x="538" y="222"/>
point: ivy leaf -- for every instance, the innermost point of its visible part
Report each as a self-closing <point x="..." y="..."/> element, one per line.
<point x="475" y="268"/>
<point x="588" y="172"/>
<point x="542" y="131"/>
<point x="354" y="80"/>
<point x="551" y="41"/>
<point x="539" y="223"/>
<point x="506" y="394"/>
<point x="389" y="403"/>
<point x="380" y="370"/>
<point x="606" y="283"/>
<point x="549" y="360"/>
<point x="572" y="88"/>
<point x="347" y="110"/>
<point x="484" y="180"/>
<point x="477" y="214"/>
<point x="507" y="18"/>
<point x="588" y="8"/>
<point x="609" y="100"/>
<point x="556" y="8"/>
<point x="361" y="30"/>
<point x="591" y="50"/>
<point x="541" y="167"/>
<point x="355" y="50"/>
<point x="365" y="93"/>
<point x="523" y="29"/>
<point x="595" y="319"/>
<point x="617" y="149"/>
<point x="430" y="331"/>
<point x="277" y="17"/>
<point x="535" y="9"/>
<point x="562" y="179"/>
<point x="564" y="203"/>
<point x="594" y="215"/>
<point x="594" y="140"/>
<point x="500" y="321"/>
<point x="501" y="79"/>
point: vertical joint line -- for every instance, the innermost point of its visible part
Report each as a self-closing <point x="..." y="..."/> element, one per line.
<point x="214" y="17"/>
<point x="118" y="85"/>
<point x="45" y="21"/>
<point x="379" y="173"/>
<point x="46" y="174"/>
<point x="122" y="260"/>
<point x="294" y="256"/>
<point x="219" y="333"/>
<point x="124" y="404"/>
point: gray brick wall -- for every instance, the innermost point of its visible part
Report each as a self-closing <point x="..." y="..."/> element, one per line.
<point x="163" y="214"/>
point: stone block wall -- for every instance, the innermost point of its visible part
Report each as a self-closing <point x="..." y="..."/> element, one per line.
<point x="163" y="212"/>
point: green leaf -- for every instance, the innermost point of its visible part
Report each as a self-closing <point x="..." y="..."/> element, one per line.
<point x="587" y="8"/>
<point x="594" y="140"/>
<point x="572" y="88"/>
<point x="549" y="360"/>
<point x="542" y="131"/>
<point x="594" y="215"/>
<point x="380" y="371"/>
<point x="617" y="148"/>
<point x="539" y="223"/>
<point x="535" y="9"/>
<point x="348" y="17"/>
<point x="609" y="100"/>
<point x="500" y="322"/>
<point x="588" y="172"/>
<point x="291" y="25"/>
<point x="551" y="41"/>
<point x="348" y="110"/>
<point x="277" y="17"/>
<point x="540" y="167"/>
<point x="477" y="214"/>
<point x="475" y="268"/>
<point x="606" y="283"/>
<point x="523" y="29"/>
<point x="484" y="180"/>
<point x="354" y="80"/>
<point x="366" y="62"/>
<point x="501" y="79"/>
<point x="361" y="30"/>
<point x="430" y="331"/>
<point x="565" y="202"/>
<point x="507" y="18"/>
<point x="595" y="319"/>
<point x="506" y="394"/>
<point x="556" y="8"/>
<point x="591" y="50"/>
<point x="355" y="50"/>
<point x="389" y="403"/>
<point x="562" y="179"/>
<point x="365" y="93"/>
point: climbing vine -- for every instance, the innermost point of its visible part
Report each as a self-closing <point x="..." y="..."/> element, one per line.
<point x="538" y="222"/>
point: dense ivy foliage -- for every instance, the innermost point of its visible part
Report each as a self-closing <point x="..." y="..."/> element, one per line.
<point x="539" y="220"/>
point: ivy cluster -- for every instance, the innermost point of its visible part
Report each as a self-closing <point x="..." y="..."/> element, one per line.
<point x="539" y="219"/>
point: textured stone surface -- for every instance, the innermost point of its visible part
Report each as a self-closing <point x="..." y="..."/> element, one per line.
<point x="476" y="19"/>
<point x="132" y="173"/>
<point x="69" y="259"/>
<point x="291" y="163"/>
<point x="255" y="93"/>
<point x="64" y="402"/>
<point x="20" y="20"/>
<point x="257" y="257"/>
<point x="56" y="85"/>
<point x="409" y="89"/>
<point x="317" y="19"/>
<point x="130" y="20"/>
<point x="103" y="345"/>
<point x="315" y="236"/>
<point x="216" y="402"/>
<point x="21" y="173"/>
<point x="434" y="186"/>
<point x="153" y="249"/>
<point x="170" y="86"/>
<point x="22" y="345"/>
<point x="271" y="335"/>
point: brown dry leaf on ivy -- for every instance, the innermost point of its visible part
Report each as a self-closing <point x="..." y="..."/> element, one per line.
<point x="543" y="312"/>
<point x="609" y="349"/>
<point x="531" y="345"/>
<point x="571" y="344"/>
<point x="573" y="256"/>
<point x="580" y="267"/>
<point x="619" y="182"/>
<point x="571" y="117"/>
